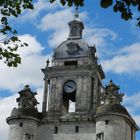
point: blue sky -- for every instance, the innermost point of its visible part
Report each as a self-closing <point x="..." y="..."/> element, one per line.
<point x="44" y="28"/>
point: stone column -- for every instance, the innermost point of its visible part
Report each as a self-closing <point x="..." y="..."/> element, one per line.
<point x="45" y="96"/>
<point x="95" y="96"/>
<point x="92" y="94"/>
<point x="99" y="95"/>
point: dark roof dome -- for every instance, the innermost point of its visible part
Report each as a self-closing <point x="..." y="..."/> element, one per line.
<point x="72" y="49"/>
<point x="27" y="104"/>
<point x="112" y="99"/>
<point x="112" y="108"/>
<point x="117" y="109"/>
<point x="25" y="112"/>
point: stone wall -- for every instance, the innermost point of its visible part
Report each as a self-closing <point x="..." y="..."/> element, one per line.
<point x="67" y="131"/>
<point x="113" y="127"/>
<point x="23" y="129"/>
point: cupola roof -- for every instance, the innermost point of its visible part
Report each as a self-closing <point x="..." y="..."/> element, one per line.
<point x="72" y="49"/>
<point x="74" y="46"/>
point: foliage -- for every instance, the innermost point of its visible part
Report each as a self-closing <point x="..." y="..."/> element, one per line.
<point x="125" y="7"/>
<point x="9" y="41"/>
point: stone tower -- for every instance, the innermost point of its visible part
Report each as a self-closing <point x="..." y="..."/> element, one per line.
<point x="75" y="78"/>
<point x="24" y="120"/>
<point x="75" y="75"/>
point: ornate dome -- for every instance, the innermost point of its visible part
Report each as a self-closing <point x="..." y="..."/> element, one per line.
<point x="26" y="103"/>
<point x="112" y="108"/>
<point x="112" y="99"/>
<point x="72" y="49"/>
<point x="74" y="46"/>
<point x="25" y="112"/>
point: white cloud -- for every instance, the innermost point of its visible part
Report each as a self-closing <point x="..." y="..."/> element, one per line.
<point x="6" y="106"/>
<point x="29" y="72"/>
<point x="132" y="102"/>
<point x="126" y="60"/>
<point x="57" y="22"/>
<point x="99" y="36"/>
<point x="39" y="7"/>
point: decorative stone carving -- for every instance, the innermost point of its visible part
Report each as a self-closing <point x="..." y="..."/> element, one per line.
<point x="93" y="50"/>
<point x="27" y="98"/>
<point x="73" y="49"/>
<point x="111" y="94"/>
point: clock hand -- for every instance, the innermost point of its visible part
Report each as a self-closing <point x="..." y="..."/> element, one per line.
<point x="70" y="86"/>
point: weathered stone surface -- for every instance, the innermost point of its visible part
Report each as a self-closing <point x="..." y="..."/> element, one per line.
<point x="67" y="131"/>
<point x="74" y="76"/>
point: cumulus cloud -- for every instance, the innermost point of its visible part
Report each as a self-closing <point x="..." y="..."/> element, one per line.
<point x="126" y="60"/>
<point x="132" y="102"/>
<point x="39" y="7"/>
<point x="56" y="22"/>
<point x="99" y="36"/>
<point x="29" y="72"/>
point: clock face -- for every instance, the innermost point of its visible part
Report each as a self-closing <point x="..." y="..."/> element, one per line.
<point x="69" y="86"/>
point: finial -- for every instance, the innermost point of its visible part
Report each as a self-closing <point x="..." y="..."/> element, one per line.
<point x="26" y="88"/>
<point x="76" y="14"/>
<point x="48" y="61"/>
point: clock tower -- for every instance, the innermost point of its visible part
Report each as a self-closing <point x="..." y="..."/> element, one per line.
<point x="76" y="106"/>
<point x="75" y="76"/>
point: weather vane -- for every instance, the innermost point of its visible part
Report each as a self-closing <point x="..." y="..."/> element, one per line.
<point x="76" y="14"/>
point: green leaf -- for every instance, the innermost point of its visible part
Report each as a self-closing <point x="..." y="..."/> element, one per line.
<point x="126" y="15"/>
<point x="25" y="44"/>
<point x="139" y="8"/>
<point x="134" y="2"/>
<point x="63" y="2"/>
<point x="14" y="38"/>
<point x="106" y="3"/>
<point x="51" y="1"/>
<point x="115" y="8"/>
<point x="127" y="2"/>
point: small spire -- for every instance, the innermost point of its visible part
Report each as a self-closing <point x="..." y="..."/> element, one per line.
<point x="48" y="62"/>
<point x="26" y="88"/>
<point x="76" y="26"/>
<point x="76" y="14"/>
